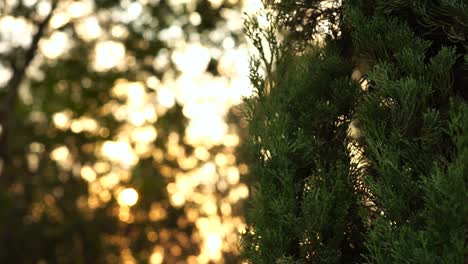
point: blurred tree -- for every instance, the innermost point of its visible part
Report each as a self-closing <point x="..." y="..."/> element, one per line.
<point x="114" y="144"/>
<point x="357" y="132"/>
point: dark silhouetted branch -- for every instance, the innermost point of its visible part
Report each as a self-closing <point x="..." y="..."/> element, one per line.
<point x="12" y="87"/>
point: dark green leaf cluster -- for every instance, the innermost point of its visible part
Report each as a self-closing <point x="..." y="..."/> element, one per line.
<point x="403" y="118"/>
<point x="295" y="131"/>
<point x="435" y="18"/>
<point x="304" y="18"/>
<point x="392" y="191"/>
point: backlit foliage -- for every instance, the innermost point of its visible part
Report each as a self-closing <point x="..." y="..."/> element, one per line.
<point x="356" y="138"/>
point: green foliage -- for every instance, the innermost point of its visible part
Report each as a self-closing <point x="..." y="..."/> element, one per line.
<point x="435" y="18"/>
<point x="438" y="232"/>
<point x="298" y="134"/>
<point x="394" y="192"/>
<point x="303" y="19"/>
<point x="402" y="120"/>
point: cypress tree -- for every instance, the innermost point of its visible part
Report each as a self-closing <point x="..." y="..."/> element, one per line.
<point x="305" y="204"/>
<point x="404" y="119"/>
<point x="392" y="192"/>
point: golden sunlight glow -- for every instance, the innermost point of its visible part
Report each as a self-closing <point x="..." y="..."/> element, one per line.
<point x="43" y="8"/>
<point x="135" y="93"/>
<point x="157" y="256"/>
<point x="144" y="134"/>
<point x="213" y="245"/>
<point x="233" y="175"/>
<point x="84" y="123"/>
<point x="119" y="151"/>
<point x="216" y="3"/>
<point x="192" y="59"/>
<point x="133" y="11"/>
<point x="59" y="19"/>
<point x="127" y="197"/>
<point x="108" y="54"/>
<point x="207" y="131"/>
<point x="138" y="108"/>
<point x="109" y="180"/>
<point x="88" y="28"/>
<point x="166" y="97"/>
<point x="56" y="45"/>
<point x="61" y="120"/>
<point x="157" y="212"/>
<point x="211" y="230"/>
<point x="60" y="153"/>
<point x="5" y="75"/>
<point x="177" y="199"/>
<point x="199" y="165"/>
<point x="125" y="215"/>
<point x="88" y="174"/>
<point x="63" y="157"/>
<point x="16" y="32"/>
<point x="252" y="6"/>
<point x="81" y="8"/>
<point x="119" y="31"/>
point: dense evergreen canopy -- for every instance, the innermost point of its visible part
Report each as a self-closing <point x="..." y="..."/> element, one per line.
<point x="358" y="133"/>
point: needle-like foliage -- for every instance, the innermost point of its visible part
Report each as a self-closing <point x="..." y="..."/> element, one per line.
<point x="358" y="143"/>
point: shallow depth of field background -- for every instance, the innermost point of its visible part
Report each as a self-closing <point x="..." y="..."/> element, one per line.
<point x="123" y="141"/>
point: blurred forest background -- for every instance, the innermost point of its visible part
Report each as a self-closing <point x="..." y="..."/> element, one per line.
<point x="119" y="130"/>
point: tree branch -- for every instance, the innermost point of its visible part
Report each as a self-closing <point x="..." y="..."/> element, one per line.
<point x="12" y="87"/>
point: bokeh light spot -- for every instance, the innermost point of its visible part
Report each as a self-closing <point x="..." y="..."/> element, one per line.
<point x="128" y="197"/>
